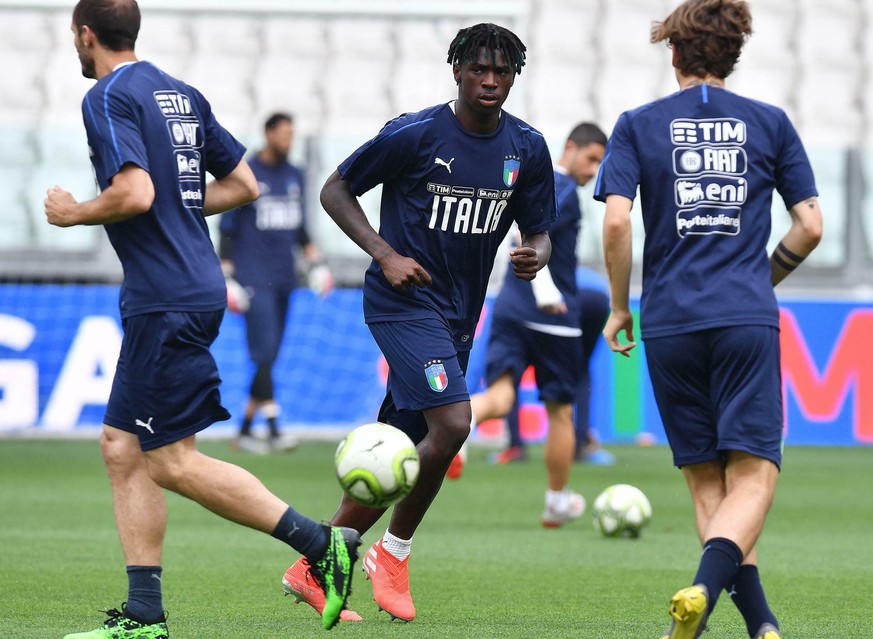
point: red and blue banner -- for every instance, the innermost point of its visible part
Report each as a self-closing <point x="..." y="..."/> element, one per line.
<point x="59" y="344"/>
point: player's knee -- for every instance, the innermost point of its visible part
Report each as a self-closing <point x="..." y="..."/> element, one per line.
<point x="119" y="454"/>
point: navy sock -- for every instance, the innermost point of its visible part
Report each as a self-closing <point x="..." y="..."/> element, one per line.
<point x="748" y="596"/>
<point x="718" y="565"/>
<point x="245" y="429"/>
<point x="145" y="602"/>
<point x="304" y="535"/>
<point x="273" y="425"/>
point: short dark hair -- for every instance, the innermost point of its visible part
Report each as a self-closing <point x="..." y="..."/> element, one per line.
<point x="465" y="47"/>
<point x="707" y="35"/>
<point x="278" y="118"/>
<point x="586" y="133"/>
<point x="114" y="22"/>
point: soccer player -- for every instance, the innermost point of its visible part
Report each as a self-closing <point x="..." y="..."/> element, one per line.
<point x="257" y="250"/>
<point x="594" y="305"/>
<point x="152" y="139"/>
<point x="455" y="176"/>
<point x="538" y="323"/>
<point x="706" y="162"/>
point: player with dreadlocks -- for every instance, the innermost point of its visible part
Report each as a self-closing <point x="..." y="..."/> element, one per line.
<point x="488" y="37"/>
<point x="455" y="177"/>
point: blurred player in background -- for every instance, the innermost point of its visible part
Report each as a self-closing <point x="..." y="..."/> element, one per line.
<point x="580" y="160"/>
<point x="257" y="248"/>
<point x="538" y="323"/>
<point x="455" y="176"/>
<point x="706" y="162"/>
<point x="152" y="139"/>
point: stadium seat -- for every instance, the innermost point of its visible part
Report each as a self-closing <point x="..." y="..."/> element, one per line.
<point x="420" y="41"/>
<point x="561" y="32"/>
<point x="828" y="31"/>
<point x="17" y="148"/>
<point x="78" y="180"/>
<point x="225" y="34"/>
<point x="17" y="232"/>
<point x="363" y="39"/>
<point x="62" y="144"/>
<point x="166" y="40"/>
<point x="829" y="104"/>
<point x="294" y="37"/>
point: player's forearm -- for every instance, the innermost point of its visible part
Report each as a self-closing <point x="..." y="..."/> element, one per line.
<point x="235" y="189"/>
<point x="131" y="193"/>
<point x="800" y="240"/>
<point x="345" y="210"/>
<point x="618" y="252"/>
<point x="542" y="244"/>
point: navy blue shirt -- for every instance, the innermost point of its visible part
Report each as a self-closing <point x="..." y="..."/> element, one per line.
<point x="706" y="161"/>
<point x="265" y="231"/>
<point x="516" y="300"/>
<point x="449" y="197"/>
<point x="140" y="115"/>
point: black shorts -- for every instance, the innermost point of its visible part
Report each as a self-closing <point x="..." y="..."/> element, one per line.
<point x="719" y="390"/>
<point x="166" y="382"/>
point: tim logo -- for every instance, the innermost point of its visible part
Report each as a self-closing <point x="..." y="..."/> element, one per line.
<point x="511" y="167"/>
<point x="708" y="131"/>
<point x="173" y="103"/>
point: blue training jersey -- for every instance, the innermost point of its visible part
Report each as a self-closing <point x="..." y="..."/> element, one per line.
<point x="449" y="197"/>
<point x="516" y="300"/>
<point x="266" y="231"/>
<point x="706" y="162"/>
<point x="140" y="115"/>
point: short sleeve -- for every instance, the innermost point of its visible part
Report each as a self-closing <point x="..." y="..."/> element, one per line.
<point x="534" y="203"/>
<point x="384" y="157"/>
<point x="794" y="178"/>
<point x="223" y="151"/>
<point x="117" y="138"/>
<point x="620" y="172"/>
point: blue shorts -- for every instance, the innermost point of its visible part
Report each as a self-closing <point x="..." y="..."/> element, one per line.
<point x="719" y="390"/>
<point x="558" y="360"/>
<point x="425" y="370"/>
<point x="265" y="323"/>
<point x="166" y="382"/>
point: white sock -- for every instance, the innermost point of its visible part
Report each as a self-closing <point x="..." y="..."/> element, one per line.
<point x="398" y="547"/>
<point x="558" y="499"/>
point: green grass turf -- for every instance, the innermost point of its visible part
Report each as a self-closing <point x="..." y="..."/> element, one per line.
<point x="482" y="566"/>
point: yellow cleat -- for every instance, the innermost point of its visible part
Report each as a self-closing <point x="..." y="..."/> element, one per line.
<point x="688" y="607"/>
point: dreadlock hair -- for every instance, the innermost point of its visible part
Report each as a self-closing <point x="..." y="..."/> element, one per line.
<point x="465" y="47"/>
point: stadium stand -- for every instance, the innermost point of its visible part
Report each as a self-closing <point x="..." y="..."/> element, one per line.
<point x="344" y="69"/>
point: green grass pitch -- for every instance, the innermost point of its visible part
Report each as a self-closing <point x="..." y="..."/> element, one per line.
<point x="481" y="567"/>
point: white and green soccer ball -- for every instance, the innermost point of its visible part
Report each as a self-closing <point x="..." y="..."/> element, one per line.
<point x="377" y="465"/>
<point x="621" y="510"/>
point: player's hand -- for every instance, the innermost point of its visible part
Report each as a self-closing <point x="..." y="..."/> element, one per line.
<point x="555" y="309"/>
<point x="620" y="321"/>
<point x="238" y="298"/>
<point x="403" y="272"/>
<point x="525" y="262"/>
<point x="60" y="207"/>
<point x="320" y="280"/>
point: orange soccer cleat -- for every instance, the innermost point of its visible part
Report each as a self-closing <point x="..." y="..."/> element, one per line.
<point x="390" y="578"/>
<point x="300" y="582"/>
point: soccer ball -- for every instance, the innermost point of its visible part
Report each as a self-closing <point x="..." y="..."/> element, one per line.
<point x="621" y="510"/>
<point x="377" y="465"/>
